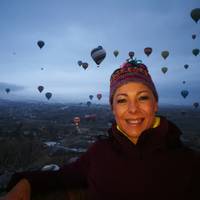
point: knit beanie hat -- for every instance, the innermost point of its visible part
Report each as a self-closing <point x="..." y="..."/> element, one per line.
<point x="131" y="71"/>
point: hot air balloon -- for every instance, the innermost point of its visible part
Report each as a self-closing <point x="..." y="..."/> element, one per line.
<point x="116" y="53"/>
<point x="42" y="68"/>
<point x="7" y="90"/>
<point x="184" y="82"/>
<point x="186" y="66"/>
<point x="79" y="62"/>
<point x="40" y="88"/>
<point x="76" y="121"/>
<point x="164" y="69"/>
<point x="48" y="95"/>
<point x="85" y="65"/>
<point x="193" y="36"/>
<point x="165" y="54"/>
<point x="131" y="54"/>
<point x="98" y="54"/>
<point x="195" y="52"/>
<point x="148" y="51"/>
<point x="184" y="93"/>
<point x="195" y="14"/>
<point x="99" y="96"/>
<point x="88" y="103"/>
<point x="196" y="104"/>
<point x="91" y="97"/>
<point x="40" y="43"/>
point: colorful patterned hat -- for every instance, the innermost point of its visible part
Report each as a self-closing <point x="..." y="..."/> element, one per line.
<point x="131" y="71"/>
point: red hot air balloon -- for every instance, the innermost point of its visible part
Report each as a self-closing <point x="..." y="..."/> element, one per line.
<point x="76" y="121"/>
<point x="40" y="43"/>
<point x="99" y="96"/>
<point x="148" y="51"/>
<point x="40" y="88"/>
<point x="48" y="95"/>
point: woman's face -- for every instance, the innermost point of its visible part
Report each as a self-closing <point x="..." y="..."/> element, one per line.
<point x="134" y="107"/>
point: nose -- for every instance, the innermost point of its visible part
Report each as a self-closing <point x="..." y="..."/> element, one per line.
<point x="132" y="107"/>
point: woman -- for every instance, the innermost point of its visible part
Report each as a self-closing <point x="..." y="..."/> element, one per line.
<point x="143" y="157"/>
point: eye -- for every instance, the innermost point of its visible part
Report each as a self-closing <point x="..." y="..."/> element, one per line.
<point x="144" y="97"/>
<point x="121" y="101"/>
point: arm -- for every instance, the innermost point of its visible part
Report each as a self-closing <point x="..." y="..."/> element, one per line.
<point x="70" y="176"/>
<point x="21" y="191"/>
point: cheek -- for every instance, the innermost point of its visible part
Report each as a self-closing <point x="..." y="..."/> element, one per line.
<point x="118" y="111"/>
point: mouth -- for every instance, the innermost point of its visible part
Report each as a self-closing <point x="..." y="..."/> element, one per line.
<point x="134" y="122"/>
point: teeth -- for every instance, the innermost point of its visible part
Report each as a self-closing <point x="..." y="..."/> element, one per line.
<point x="135" y="121"/>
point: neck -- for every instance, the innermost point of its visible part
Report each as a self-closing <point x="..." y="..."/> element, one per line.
<point x="132" y="139"/>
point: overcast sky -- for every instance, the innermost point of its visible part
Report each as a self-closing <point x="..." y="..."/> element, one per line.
<point x="72" y="28"/>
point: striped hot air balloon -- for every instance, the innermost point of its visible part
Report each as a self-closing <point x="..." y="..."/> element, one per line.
<point x="98" y="54"/>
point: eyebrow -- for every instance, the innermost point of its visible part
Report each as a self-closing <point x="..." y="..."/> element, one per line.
<point x="125" y="94"/>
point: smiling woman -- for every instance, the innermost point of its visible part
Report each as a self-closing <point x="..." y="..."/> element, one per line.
<point x="134" y="107"/>
<point x="142" y="158"/>
<point x="134" y="99"/>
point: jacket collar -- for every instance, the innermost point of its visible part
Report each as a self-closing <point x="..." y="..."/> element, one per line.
<point x="163" y="137"/>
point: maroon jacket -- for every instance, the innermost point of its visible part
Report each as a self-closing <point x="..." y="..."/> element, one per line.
<point x="158" y="167"/>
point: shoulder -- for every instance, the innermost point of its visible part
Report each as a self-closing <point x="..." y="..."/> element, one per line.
<point x="169" y="125"/>
<point x="101" y="144"/>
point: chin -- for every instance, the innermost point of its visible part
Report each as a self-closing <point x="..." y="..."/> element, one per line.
<point x="133" y="134"/>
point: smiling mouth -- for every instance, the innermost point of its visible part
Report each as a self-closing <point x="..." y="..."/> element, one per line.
<point x="134" y="122"/>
